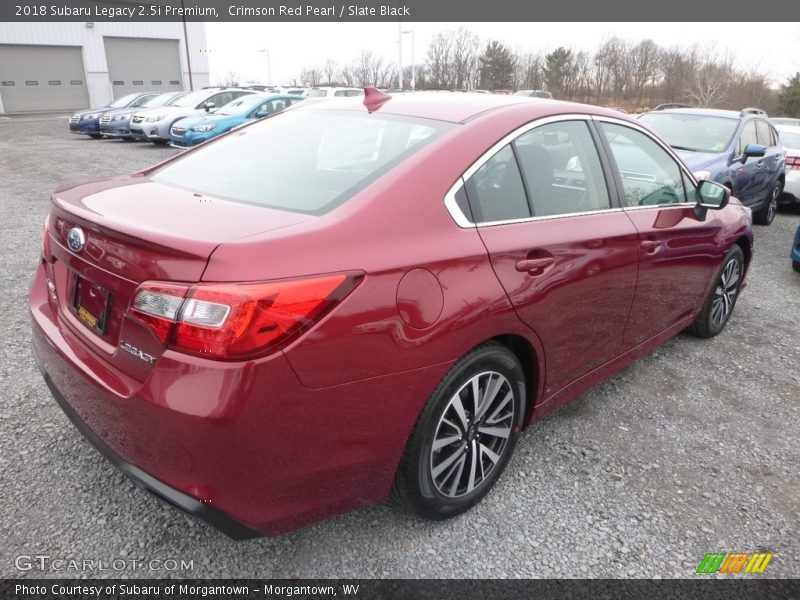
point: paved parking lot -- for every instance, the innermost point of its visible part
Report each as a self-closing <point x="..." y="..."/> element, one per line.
<point x="692" y="449"/>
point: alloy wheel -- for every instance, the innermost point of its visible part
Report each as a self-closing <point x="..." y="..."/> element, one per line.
<point x="725" y="294"/>
<point x="773" y="204"/>
<point x="472" y="434"/>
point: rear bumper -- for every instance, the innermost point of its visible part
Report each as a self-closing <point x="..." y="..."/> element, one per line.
<point x="791" y="189"/>
<point x="227" y="525"/>
<point x="244" y="446"/>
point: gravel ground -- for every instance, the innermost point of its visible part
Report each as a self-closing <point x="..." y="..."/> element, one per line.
<point x="693" y="449"/>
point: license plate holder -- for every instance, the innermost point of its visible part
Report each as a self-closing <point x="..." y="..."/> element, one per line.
<point x="90" y="304"/>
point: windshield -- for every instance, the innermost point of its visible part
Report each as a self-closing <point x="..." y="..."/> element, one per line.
<point x="241" y="105"/>
<point x="695" y="133"/>
<point x="124" y="101"/>
<point x="159" y="100"/>
<point x="316" y="93"/>
<point x="301" y="161"/>
<point x="192" y="99"/>
<point x="790" y="139"/>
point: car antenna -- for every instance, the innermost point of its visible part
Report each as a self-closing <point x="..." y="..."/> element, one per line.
<point x="374" y="98"/>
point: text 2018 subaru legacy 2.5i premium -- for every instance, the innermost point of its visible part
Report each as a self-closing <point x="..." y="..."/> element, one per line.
<point x="369" y="298"/>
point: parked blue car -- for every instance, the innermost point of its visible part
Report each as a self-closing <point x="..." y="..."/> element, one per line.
<point x="740" y="150"/>
<point x="796" y="250"/>
<point x="194" y="130"/>
<point x="87" y="122"/>
<point x="117" y="123"/>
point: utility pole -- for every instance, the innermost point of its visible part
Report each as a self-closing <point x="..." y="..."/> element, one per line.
<point x="413" y="64"/>
<point x="400" y="56"/>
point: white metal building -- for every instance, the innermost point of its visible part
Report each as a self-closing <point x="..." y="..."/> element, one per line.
<point x="64" y="66"/>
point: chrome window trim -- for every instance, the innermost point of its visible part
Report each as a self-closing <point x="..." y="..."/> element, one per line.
<point x="584" y="213"/>
<point x="461" y="219"/>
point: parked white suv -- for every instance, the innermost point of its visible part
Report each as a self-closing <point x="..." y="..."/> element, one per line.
<point x="330" y="92"/>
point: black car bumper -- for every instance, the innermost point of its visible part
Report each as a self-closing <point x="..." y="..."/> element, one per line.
<point x="227" y="525"/>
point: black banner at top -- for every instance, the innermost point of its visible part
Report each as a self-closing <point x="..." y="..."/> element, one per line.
<point x="711" y="11"/>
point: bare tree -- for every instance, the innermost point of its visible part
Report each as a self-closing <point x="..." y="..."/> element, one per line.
<point x="231" y="79"/>
<point x="466" y="49"/>
<point x="439" y="61"/>
<point x="711" y="81"/>
<point x="311" y="76"/>
<point x="330" y="70"/>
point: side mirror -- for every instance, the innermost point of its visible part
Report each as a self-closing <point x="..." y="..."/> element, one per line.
<point x="756" y="150"/>
<point x="209" y="105"/>
<point x="710" y="195"/>
<point x="261" y="114"/>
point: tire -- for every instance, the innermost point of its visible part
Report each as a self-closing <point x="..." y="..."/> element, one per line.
<point x="796" y="265"/>
<point x="722" y="297"/>
<point x="444" y="482"/>
<point x="765" y="214"/>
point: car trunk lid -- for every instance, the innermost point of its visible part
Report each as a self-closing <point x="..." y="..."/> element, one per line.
<point x="133" y="230"/>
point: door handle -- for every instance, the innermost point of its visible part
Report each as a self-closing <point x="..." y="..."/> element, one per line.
<point x="650" y="246"/>
<point x="534" y="266"/>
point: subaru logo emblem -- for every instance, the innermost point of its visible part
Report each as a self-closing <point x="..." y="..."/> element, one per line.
<point x="76" y="240"/>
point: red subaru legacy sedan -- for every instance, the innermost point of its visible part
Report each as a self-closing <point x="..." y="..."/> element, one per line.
<point x="370" y="298"/>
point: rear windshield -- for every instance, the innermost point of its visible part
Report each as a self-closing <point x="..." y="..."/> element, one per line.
<point x="695" y="133"/>
<point x="316" y="93"/>
<point x="301" y="161"/>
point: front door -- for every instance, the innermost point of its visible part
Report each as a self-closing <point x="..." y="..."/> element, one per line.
<point x="677" y="252"/>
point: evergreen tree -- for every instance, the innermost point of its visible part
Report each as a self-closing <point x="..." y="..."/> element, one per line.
<point x="789" y="98"/>
<point x="557" y="70"/>
<point x="497" y="67"/>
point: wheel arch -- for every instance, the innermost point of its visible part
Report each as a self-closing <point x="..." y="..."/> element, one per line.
<point x="747" y="248"/>
<point x="530" y="362"/>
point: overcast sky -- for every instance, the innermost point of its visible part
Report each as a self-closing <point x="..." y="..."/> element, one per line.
<point x="773" y="48"/>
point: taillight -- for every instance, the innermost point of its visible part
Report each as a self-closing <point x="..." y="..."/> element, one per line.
<point x="234" y="321"/>
<point x="792" y="162"/>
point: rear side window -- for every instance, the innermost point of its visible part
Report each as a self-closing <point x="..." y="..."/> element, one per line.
<point x="301" y="161"/>
<point x="763" y="134"/>
<point x="496" y="191"/>
<point x="562" y="170"/>
<point x="748" y="137"/>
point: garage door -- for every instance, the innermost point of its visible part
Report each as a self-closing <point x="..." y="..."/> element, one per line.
<point x="143" y="65"/>
<point x="42" y="78"/>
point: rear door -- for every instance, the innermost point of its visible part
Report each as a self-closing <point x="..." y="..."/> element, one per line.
<point x="773" y="161"/>
<point x="564" y="252"/>
<point x="677" y="252"/>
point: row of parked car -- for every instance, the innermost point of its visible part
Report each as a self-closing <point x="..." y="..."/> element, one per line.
<point x="184" y="119"/>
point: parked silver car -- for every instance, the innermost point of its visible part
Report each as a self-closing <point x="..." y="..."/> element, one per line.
<point x="154" y="124"/>
<point x="790" y="138"/>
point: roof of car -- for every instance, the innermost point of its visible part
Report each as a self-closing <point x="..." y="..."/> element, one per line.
<point x="787" y="128"/>
<point x="458" y="108"/>
<point x="709" y="112"/>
